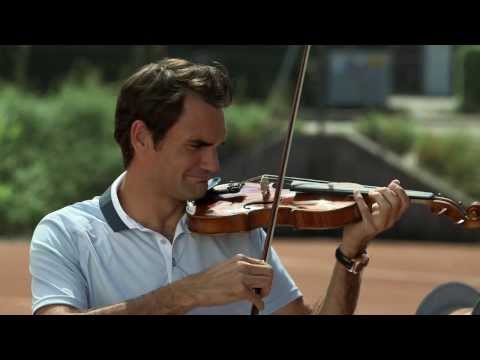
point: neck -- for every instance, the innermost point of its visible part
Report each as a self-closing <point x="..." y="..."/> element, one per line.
<point x="148" y="206"/>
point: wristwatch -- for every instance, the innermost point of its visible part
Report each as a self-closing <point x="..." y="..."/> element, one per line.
<point x="355" y="266"/>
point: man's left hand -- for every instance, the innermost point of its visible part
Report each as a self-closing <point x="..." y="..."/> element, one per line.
<point x="389" y="205"/>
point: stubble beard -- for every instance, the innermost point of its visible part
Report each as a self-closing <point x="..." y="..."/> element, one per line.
<point x="194" y="191"/>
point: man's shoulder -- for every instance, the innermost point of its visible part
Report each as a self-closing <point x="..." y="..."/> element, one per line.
<point x="86" y="208"/>
<point x="74" y="217"/>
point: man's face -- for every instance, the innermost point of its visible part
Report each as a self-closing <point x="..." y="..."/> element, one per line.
<point x="187" y="156"/>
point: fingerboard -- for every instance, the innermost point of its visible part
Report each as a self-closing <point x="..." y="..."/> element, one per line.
<point x="329" y="188"/>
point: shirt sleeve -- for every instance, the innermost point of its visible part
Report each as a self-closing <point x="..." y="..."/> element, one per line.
<point x="54" y="267"/>
<point x="284" y="290"/>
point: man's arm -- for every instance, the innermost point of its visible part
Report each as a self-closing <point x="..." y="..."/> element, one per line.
<point x="169" y="300"/>
<point x="341" y="298"/>
<point x="227" y="282"/>
<point x="342" y="294"/>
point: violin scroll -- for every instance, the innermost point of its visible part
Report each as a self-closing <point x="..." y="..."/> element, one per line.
<point x="469" y="218"/>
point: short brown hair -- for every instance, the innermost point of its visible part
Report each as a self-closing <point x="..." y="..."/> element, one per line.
<point x="155" y="95"/>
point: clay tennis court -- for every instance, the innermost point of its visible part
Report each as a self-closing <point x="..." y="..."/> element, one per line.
<point x="399" y="275"/>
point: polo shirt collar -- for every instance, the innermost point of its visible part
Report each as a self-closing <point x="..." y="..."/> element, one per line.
<point x="116" y="216"/>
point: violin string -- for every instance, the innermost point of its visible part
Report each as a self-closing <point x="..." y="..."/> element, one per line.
<point x="289" y="178"/>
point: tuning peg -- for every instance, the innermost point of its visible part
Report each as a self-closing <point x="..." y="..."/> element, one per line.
<point x="473" y="215"/>
<point x="460" y="222"/>
<point x="441" y="212"/>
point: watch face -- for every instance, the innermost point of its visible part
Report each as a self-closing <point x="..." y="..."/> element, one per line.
<point x="357" y="267"/>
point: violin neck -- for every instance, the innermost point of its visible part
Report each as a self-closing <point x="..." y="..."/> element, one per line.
<point x="330" y="188"/>
<point x="414" y="195"/>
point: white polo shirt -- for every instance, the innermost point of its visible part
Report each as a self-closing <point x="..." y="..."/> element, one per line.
<point x="92" y="254"/>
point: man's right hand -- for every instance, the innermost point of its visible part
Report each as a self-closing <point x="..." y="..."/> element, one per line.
<point x="230" y="281"/>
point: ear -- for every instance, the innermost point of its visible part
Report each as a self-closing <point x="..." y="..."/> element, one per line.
<point x="140" y="137"/>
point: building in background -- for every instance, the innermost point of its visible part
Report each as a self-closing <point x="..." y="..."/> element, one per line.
<point x="437" y="70"/>
<point x="354" y="75"/>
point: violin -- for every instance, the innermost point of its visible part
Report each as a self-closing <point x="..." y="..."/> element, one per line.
<point x="305" y="204"/>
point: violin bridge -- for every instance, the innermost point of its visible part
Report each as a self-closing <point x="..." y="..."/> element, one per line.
<point x="265" y="187"/>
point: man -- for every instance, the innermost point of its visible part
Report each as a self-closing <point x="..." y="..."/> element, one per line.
<point x="129" y="251"/>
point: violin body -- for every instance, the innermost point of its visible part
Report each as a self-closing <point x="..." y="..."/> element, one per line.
<point x="249" y="209"/>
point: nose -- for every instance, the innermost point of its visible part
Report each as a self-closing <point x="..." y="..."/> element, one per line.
<point x="210" y="160"/>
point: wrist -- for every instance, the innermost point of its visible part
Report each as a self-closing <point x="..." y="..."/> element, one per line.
<point x="353" y="245"/>
<point x="351" y="252"/>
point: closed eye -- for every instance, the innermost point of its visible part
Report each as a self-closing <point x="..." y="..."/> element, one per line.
<point x="198" y="144"/>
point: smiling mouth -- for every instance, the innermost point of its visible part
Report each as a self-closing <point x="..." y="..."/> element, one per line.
<point x="199" y="179"/>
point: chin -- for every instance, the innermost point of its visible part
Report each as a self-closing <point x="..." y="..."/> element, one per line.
<point x="200" y="193"/>
<point x="197" y="191"/>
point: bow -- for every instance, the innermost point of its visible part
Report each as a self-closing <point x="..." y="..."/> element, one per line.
<point x="285" y="155"/>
